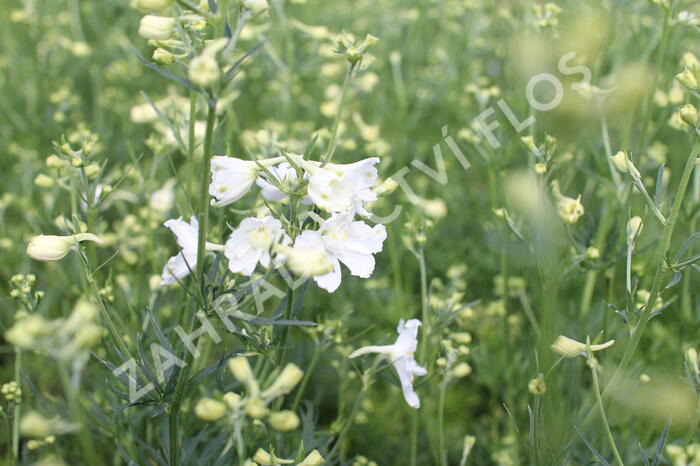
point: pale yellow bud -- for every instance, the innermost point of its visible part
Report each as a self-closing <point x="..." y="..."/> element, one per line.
<point x="592" y="253"/>
<point x="689" y="115"/>
<point x="204" y="71"/>
<point x="256" y="408"/>
<point x="570" y="348"/>
<point x="54" y="161"/>
<point x="162" y="56"/>
<point x="154" y="27"/>
<point x="462" y="369"/>
<point x="312" y="459"/>
<point x="540" y="168"/>
<point x="210" y="410"/>
<point x="43" y="181"/>
<point x="569" y="209"/>
<point x="690" y="61"/>
<point x="241" y="370"/>
<point x="288" y="379"/>
<point x="256" y="7"/>
<point x="34" y="424"/>
<point x="232" y="400"/>
<point x="634" y="228"/>
<point x="284" y="421"/>
<point x="52" y="248"/>
<point x="688" y="79"/>
<point x="306" y="262"/>
<point x="266" y="459"/>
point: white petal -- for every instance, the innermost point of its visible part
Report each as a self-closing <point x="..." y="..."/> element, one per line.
<point x="330" y="281"/>
<point x="185" y="233"/>
<point x="360" y="265"/>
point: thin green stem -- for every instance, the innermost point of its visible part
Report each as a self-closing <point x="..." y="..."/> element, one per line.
<point x="307" y="375"/>
<point x="441" y="422"/>
<point x="17" y="410"/>
<point x="174" y="420"/>
<point x="338" y="117"/>
<point x="601" y="410"/>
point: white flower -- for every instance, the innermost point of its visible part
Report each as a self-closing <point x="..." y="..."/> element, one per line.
<point x="285" y="175"/>
<point x="180" y="265"/>
<point x="231" y="178"/>
<point x="250" y="243"/>
<point x="347" y="241"/>
<point x="401" y="356"/>
<point x="340" y="188"/>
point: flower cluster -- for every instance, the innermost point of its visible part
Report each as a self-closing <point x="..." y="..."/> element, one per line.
<point x="342" y="191"/>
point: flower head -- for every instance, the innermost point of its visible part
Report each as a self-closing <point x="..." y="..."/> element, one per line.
<point x="180" y="265"/>
<point x="231" y="178"/>
<point x="251" y="243"/>
<point x="342" y="187"/>
<point x="351" y="242"/>
<point x="401" y="356"/>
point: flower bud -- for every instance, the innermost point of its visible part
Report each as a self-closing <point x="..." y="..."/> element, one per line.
<point x="256" y="7"/>
<point x="241" y="370"/>
<point x="232" y="400"/>
<point x="210" y="410"/>
<point x="690" y="61"/>
<point x="634" y="228"/>
<point x="569" y="209"/>
<point x="688" y="79"/>
<point x="284" y="421"/>
<point x="256" y="408"/>
<point x="312" y="459"/>
<point x="34" y="424"/>
<point x="151" y="5"/>
<point x="162" y="56"/>
<point x="52" y="248"/>
<point x="204" y="71"/>
<point x="570" y="348"/>
<point x="43" y="181"/>
<point x="288" y="379"/>
<point x="264" y="458"/>
<point x="689" y="115"/>
<point x="154" y="27"/>
<point x="306" y="262"/>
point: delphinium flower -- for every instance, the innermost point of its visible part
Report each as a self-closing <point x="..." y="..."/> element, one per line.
<point x="251" y="243"/>
<point x="52" y="248"/>
<point x="351" y="242"/>
<point x="401" y="357"/>
<point x="570" y="348"/>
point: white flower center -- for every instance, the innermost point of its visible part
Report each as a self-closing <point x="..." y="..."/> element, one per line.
<point x="260" y="238"/>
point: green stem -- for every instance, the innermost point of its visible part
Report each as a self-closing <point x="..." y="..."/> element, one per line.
<point x="174" y="420"/>
<point x="601" y="410"/>
<point x="307" y="375"/>
<point x="85" y="442"/>
<point x="17" y="410"/>
<point x="336" y="124"/>
<point x="426" y="326"/>
<point x="441" y="422"/>
<point x="664" y="246"/>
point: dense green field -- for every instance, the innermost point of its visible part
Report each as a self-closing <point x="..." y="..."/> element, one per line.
<point x="402" y="232"/>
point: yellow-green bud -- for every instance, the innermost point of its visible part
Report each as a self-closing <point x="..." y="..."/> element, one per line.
<point x="634" y="228"/>
<point x="264" y="458"/>
<point x="204" y="71"/>
<point x="284" y="421"/>
<point x="688" y="79"/>
<point x="570" y="348"/>
<point x="54" y="161"/>
<point x="210" y="410"/>
<point x="34" y="424"/>
<point x="241" y="370"/>
<point x="689" y="114"/>
<point x="43" y="181"/>
<point x="256" y="408"/>
<point x="162" y="56"/>
<point x="537" y="387"/>
<point x="286" y="381"/>
<point x="312" y="459"/>
<point x="232" y="400"/>
<point x="256" y="7"/>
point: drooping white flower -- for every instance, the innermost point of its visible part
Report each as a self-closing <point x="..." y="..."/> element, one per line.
<point x="342" y="187"/>
<point x="251" y="242"/>
<point x="351" y="242"/>
<point x="401" y="356"/>
<point x="570" y="348"/>
<point x="231" y="178"/>
<point x="285" y="175"/>
<point x="180" y="265"/>
<point x="163" y="199"/>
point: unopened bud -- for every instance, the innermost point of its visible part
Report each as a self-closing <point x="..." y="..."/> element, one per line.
<point x="689" y="114"/>
<point x="286" y="381"/>
<point x="284" y="421"/>
<point x="210" y="410"/>
<point x="154" y="27"/>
